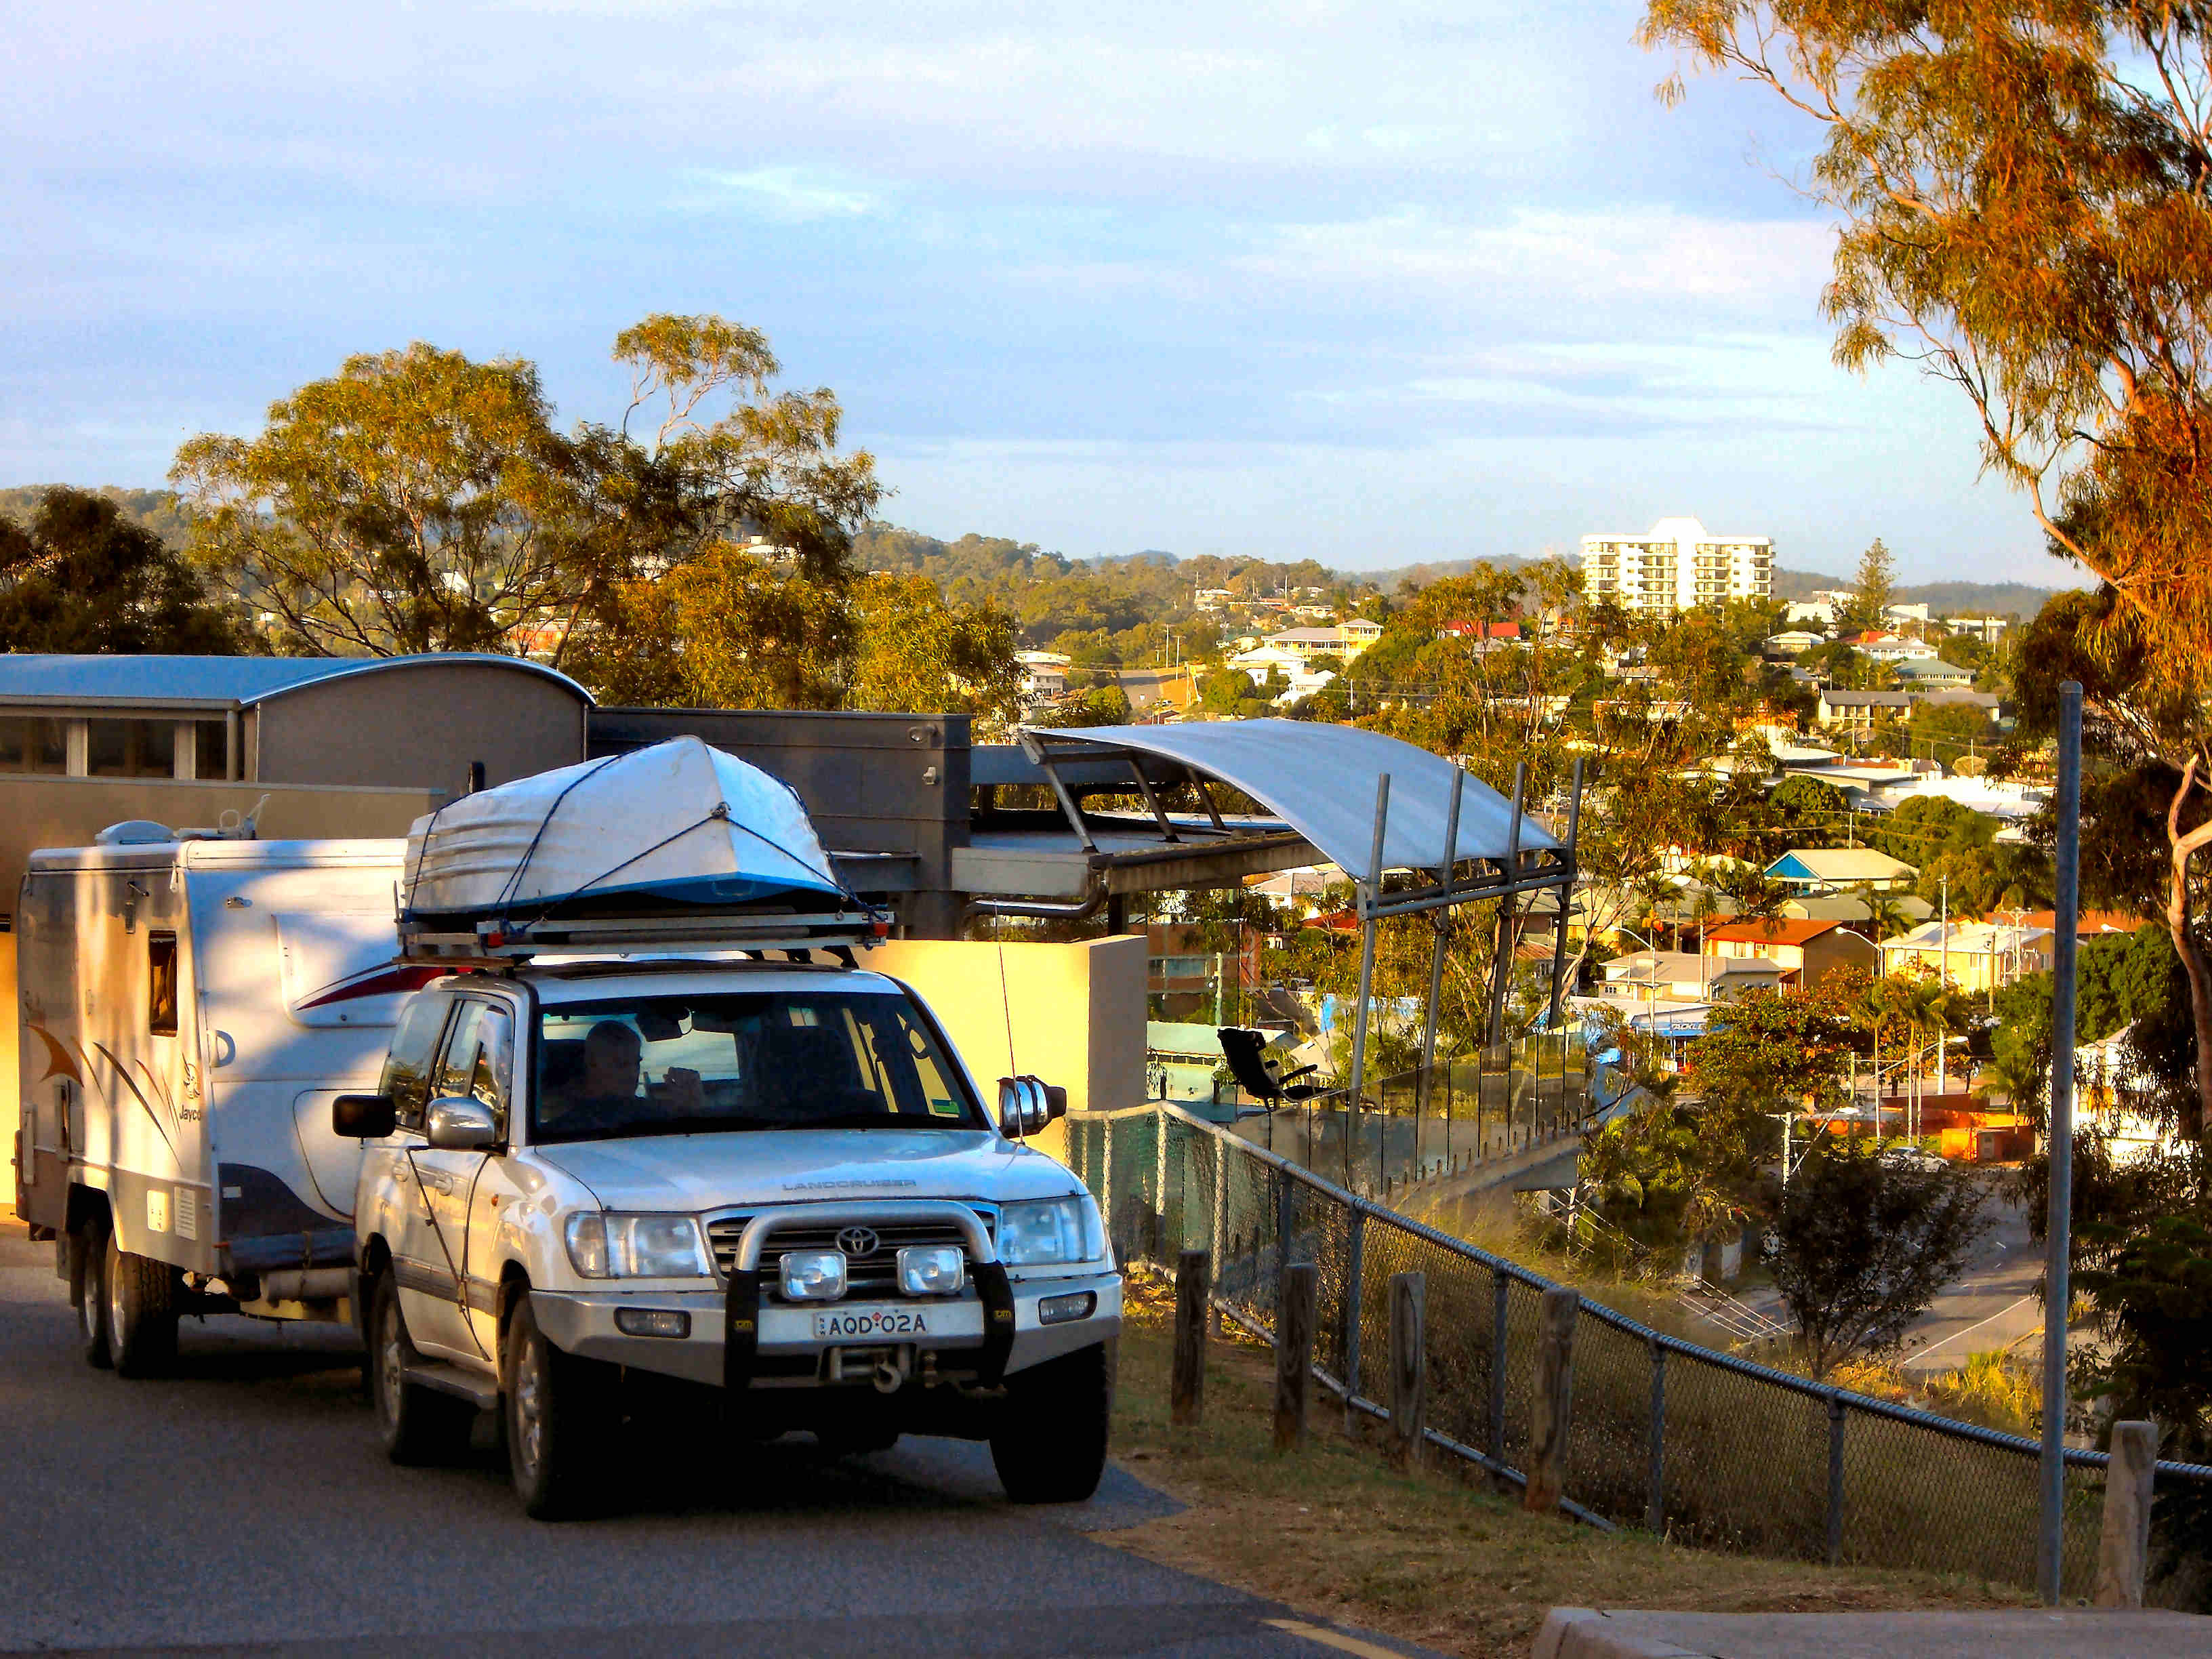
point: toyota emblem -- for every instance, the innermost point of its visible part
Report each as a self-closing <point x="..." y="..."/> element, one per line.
<point x="858" y="1241"/>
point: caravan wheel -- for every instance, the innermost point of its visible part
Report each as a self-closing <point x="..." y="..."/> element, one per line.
<point x="141" y="1295"/>
<point x="92" y="1297"/>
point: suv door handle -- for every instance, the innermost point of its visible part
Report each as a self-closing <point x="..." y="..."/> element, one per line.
<point x="436" y="1178"/>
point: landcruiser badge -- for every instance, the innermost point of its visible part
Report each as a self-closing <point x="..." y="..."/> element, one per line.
<point x="858" y="1241"/>
<point x="841" y="1186"/>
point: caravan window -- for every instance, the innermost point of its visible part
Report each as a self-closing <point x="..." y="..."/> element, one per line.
<point x="407" y="1070"/>
<point x="162" y="984"/>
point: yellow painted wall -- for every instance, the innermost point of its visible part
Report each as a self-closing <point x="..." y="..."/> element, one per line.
<point x="1071" y="1014"/>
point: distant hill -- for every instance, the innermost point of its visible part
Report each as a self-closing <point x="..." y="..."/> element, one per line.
<point x="1944" y="598"/>
<point x="1014" y="565"/>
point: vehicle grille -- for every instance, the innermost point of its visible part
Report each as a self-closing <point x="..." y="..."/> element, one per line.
<point x="873" y="1276"/>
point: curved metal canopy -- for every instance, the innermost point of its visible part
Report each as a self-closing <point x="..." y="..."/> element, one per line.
<point x="1320" y="779"/>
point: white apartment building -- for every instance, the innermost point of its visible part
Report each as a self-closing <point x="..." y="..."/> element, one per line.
<point x="1678" y="565"/>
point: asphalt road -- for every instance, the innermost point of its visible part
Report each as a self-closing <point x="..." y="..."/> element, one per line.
<point x="1993" y="1304"/>
<point x="244" y="1507"/>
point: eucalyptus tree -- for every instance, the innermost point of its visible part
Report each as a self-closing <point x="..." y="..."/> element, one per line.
<point x="2025" y="188"/>
<point x="419" y="500"/>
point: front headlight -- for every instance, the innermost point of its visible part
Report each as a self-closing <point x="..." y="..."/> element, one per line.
<point x="1042" y="1231"/>
<point x="617" y="1246"/>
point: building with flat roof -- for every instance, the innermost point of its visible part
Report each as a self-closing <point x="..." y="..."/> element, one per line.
<point x="1677" y="565"/>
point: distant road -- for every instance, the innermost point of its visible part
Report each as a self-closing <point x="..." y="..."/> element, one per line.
<point x="243" y="1508"/>
<point x="1993" y="1304"/>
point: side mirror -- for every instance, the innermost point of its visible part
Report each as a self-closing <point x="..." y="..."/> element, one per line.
<point x="363" y="1117"/>
<point x="1026" y="1104"/>
<point x="461" y="1125"/>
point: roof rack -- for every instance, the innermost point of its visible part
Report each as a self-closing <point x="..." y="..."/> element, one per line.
<point x="450" y="938"/>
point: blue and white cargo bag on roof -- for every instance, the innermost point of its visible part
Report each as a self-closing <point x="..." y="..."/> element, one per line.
<point x="676" y="825"/>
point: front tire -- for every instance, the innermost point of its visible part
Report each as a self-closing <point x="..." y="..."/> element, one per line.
<point x="1049" y="1446"/>
<point x="141" y="1294"/>
<point x="418" y="1426"/>
<point x="90" y="1246"/>
<point x="561" y="1418"/>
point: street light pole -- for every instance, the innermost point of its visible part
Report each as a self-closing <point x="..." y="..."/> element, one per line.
<point x="1942" y="1048"/>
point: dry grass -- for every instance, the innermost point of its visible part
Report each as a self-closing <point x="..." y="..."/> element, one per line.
<point x="1431" y="1557"/>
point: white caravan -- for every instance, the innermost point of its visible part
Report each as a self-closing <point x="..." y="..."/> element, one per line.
<point x="189" y="1011"/>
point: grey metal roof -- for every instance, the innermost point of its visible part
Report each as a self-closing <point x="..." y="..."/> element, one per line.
<point x="1319" y="779"/>
<point x="211" y="681"/>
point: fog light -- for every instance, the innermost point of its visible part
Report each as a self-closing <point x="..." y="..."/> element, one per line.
<point x="813" y="1275"/>
<point x="652" y="1321"/>
<point x="1058" y="1310"/>
<point x="932" y="1269"/>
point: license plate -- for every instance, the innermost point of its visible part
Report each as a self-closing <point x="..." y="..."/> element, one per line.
<point x="851" y="1323"/>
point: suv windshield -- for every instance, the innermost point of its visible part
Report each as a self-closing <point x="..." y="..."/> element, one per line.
<point x="761" y="1060"/>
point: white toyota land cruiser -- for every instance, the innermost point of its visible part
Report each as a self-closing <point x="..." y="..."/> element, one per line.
<point x="770" y="1177"/>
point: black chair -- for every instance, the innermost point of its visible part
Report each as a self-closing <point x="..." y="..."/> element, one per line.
<point x="1246" y="1054"/>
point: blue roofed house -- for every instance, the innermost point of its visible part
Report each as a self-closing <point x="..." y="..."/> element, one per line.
<point x="1839" y="869"/>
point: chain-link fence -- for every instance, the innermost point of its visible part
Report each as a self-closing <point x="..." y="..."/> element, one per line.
<point x="1487" y="1104"/>
<point x="1701" y="1445"/>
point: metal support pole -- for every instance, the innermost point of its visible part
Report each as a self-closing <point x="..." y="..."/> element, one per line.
<point x="1835" y="1479"/>
<point x="2050" y="1561"/>
<point x="1367" y="898"/>
<point x="1439" y="920"/>
<point x="1160" y="1248"/>
<point x="1654" y="1475"/>
<point x="1355" y="1260"/>
<point x="1219" y="1243"/>
<point x="1501" y="1289"/>
<point x="1566" y="904"/>
<point x="1502" y="966"/>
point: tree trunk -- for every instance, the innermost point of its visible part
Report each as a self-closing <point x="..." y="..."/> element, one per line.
<point x="2197" y="1112"/>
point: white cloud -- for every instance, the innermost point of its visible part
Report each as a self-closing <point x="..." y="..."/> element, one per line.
<point x="1633" y="253"/>
<point x="795" y="195"/>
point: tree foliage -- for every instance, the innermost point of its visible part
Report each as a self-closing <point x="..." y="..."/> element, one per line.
<point x="421" y="501"/>
<point x="2025" y="190"/>
<point x="83" y="579"/>
<point x="1864" y="1244"/>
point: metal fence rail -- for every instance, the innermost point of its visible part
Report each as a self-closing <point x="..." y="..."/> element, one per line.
<point x="1703" y="1446"/>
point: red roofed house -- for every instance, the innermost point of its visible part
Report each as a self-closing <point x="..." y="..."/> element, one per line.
<point x="2092" y="924"/>
<point x="1477" y="630"/>
<point x="1804" y="950"/>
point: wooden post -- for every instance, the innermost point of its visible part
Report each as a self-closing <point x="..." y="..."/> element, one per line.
<point x="1187" y="1393"/>
<point x="1551" y="1401"/>
<point x="1297" y="1293"/>
<point x="1409" y="1368"/>
<point x="2124" y="1551"/>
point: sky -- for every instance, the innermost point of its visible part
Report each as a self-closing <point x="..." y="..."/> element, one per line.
<point x="1371" y="284"/>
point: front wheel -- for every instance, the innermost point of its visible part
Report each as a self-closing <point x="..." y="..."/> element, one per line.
<point x="418" y="1426"/>
<point x="1050" y="1444"/>
<point x="560" y="1420"/>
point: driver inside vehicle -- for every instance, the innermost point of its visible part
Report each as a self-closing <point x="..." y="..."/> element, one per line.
<point x="607" y="1090"/>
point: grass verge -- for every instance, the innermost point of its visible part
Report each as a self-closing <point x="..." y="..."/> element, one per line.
<point x="1433" y="1557"/>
